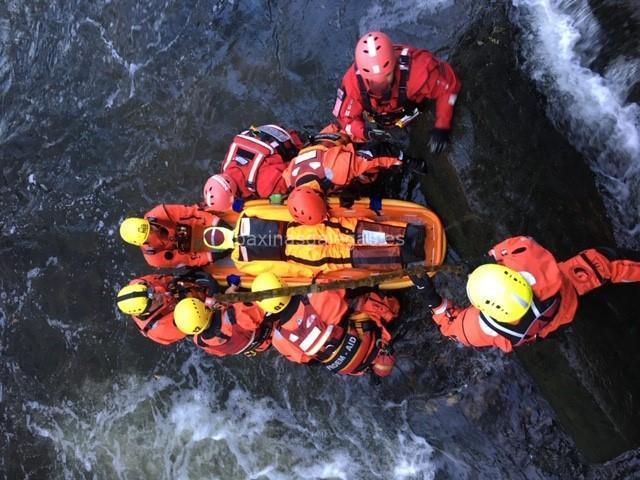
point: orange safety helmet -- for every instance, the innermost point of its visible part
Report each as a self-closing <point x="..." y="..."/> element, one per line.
<point x="376" y="60"/>
<point x="219" y="192"/>
<point x="307" y="205"/>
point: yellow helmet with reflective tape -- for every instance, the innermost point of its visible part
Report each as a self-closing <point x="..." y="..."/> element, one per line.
<point x="500" y="292"/>
<point x="134" y="299"/>
<point x="270" y="281"/>
<point x="192" y="316"/>
<point x="135" y="230"/>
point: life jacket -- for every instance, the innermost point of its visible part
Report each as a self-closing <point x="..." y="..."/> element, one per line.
<point x="225" y="337"/>
<point x="252" y="147"/>
<point x="330" y="162"/>
<point x="537" y="318"/>
<point x="308" y="166"/>
<point x="306" y="329"/>
<point x="356" y="351"/>
<point x="320" y="328"/>
<point x="403" y="104"/>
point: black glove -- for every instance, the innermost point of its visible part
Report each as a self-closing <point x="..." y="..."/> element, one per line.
<point x="425" y="285"/>
<point x="438" y="140"/>
<point x="375" y="148"/>
<point x="204" y="279"/>
<point x="376" y="134"/>
<point x="347" y="199"/>
<point x="415" y="163"/>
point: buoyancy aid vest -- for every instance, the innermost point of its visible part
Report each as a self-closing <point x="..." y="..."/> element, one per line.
<point x="146" y="323"/>
<point x="177" y="227"/>
<point x="162" y="286"/>
<point x="539" y="315"/>
<point x="309" y="166"/>
<point x="330" y="166"/>
<point x="357" y="349"/>
<point x="323" y="329"/>
<point x="305" y="329"/>
<point x="251" y="147"/>
<point x="404" y="105"/>
<point x="236" y="340"/>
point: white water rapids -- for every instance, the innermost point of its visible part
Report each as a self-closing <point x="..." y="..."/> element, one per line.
<point x="561" y="40"/>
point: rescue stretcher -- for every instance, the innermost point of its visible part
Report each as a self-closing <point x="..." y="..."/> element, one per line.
<point x="363" y="209"/>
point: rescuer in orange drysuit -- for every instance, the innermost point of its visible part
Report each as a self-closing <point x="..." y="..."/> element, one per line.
<point x="252" y="167"/>
<point x="345" y="332"/>
<point x="526" y="294"/>
<point x="170" y="235"/>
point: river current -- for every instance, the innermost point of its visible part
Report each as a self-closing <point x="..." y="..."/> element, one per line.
<point x="110" y="107"/>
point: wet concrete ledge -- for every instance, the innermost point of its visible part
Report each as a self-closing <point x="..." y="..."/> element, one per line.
<point x="511" y="173"/>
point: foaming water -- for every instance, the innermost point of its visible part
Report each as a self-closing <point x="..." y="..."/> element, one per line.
<point x="208" y="423"/>
<point x="560" y="43"/>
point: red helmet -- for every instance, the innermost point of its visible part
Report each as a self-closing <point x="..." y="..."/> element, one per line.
<point x="376" y="60"/>
<point x="219" y="192"/>
<point x="307" y="205"/>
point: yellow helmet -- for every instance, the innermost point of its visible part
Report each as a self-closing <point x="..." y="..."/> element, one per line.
<point x="135" y="230"/>
<point x="134" y="299"/>
<point x="500" y="292"/>
<point x="270" y="281"/>
<point x="191" y="316"/>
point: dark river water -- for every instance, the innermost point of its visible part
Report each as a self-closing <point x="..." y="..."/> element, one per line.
<point x="110" y="107"/>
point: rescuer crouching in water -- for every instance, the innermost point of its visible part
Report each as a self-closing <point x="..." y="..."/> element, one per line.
<point x="344" y="331"/>
<point x="389" y="85"/>
<point x="330" y="162"/>
<point x="170" y="235"/>
<point x="252" y="167"/>
<point x="526" y="293"/>
<point x="151" y="301"/>
<point x="223" y="330"/>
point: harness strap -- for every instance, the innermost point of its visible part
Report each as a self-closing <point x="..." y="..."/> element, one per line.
<point x="253" y="173"/>
<point x="215" y="330"/>
<point x="404" y="62"/>
<point x="540" y="311"/>
<point x="151" y="319"/>
<point x="259" y="338"/>
<point x="230" y="156"/>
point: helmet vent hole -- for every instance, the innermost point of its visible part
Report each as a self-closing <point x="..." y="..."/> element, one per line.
<point x="386" y="64"/>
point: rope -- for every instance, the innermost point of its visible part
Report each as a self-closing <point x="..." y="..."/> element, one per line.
<point x="370" y="281"/>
